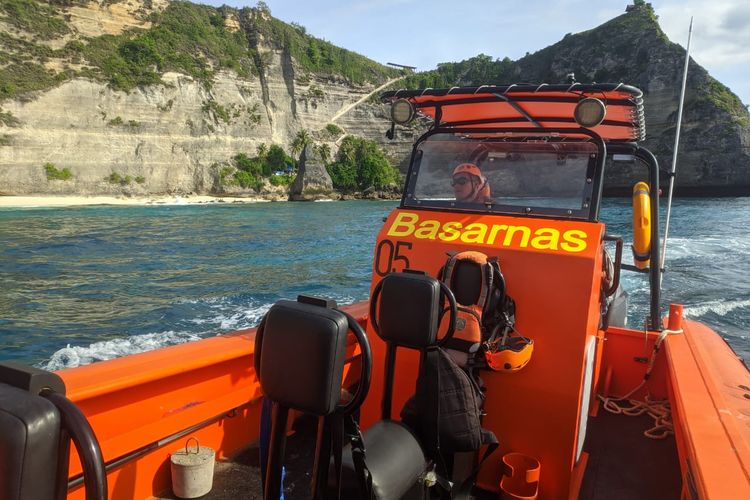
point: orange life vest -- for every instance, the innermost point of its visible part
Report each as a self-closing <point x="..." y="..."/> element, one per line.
<point x="472" y="298"/>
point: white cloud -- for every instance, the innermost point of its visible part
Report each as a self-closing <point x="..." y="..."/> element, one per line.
<point x="721" y="30"/>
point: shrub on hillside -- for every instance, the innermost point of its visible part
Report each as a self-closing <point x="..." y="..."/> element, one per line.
<point x="361" y="164"/>
<point x="54" y="174"/>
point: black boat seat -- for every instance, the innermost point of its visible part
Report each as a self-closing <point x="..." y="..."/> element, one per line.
<point x="37" y="424"/>
<point x="29" y="441"/>
<point x="407" y="315"/>
<point x="394" y="458"/>
<point x="300" y="352"/>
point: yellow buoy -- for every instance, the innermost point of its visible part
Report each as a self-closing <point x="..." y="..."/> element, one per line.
<point x="641" y="225"/>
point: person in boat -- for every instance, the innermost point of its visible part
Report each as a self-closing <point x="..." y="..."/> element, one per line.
<point x="469" y="184"/>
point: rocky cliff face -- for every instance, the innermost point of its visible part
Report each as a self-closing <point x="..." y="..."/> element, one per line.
<point x="312" y="181"/>
<point x="714" y="153"/>
<point x="172" y="137"/>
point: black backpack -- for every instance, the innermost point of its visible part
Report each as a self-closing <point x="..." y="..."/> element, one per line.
<point x="446" y="410"/>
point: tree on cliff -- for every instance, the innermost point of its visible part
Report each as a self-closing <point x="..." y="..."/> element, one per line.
<point x="361" y="164"/>
<point x="302" y="139"/>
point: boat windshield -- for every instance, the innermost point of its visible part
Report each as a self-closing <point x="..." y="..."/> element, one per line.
<point x="502" y="174"/>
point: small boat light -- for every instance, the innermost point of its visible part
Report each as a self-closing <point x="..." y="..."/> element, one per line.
<point x="590" y="112"/>
<point x="402" y="111"/>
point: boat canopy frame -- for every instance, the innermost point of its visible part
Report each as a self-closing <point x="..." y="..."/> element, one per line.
<point x="655" y="268"/>
<point x="594" y="176"/>
<point x="624" y="102"/>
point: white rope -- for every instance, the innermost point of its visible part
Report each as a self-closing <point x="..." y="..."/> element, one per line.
<point x="659" y="410"/>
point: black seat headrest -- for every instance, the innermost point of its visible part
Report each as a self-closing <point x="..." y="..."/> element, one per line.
<point x="302" y="349"/>
<point x="408" y="311"/>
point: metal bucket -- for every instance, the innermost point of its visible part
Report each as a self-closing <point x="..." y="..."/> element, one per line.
<point x="192" y="470"/>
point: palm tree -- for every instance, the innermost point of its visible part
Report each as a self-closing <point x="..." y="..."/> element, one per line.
<point x="324" y="150"/>
<point x="300" y="141"/>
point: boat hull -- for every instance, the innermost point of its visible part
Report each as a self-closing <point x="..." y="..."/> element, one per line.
<point x="145" y="406"/>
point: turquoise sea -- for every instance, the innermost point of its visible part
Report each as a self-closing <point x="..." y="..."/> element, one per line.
<point x="79" y="285"/>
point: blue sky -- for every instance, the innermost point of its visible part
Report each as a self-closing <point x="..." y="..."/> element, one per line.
<point x="425" y="33"/>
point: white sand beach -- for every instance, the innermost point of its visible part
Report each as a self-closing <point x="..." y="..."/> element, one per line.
<point x="71" y="201"/>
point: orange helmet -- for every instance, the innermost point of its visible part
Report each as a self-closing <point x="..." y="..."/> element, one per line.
<point x="468" y="168"/>
<point x="510" y="355"/>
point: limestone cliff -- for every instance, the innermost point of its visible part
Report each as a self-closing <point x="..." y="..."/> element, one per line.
<point x="175" y="135"/>
<point x="312" y="181"/>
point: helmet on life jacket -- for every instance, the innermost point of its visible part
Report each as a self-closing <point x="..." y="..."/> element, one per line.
<point x="508" y="354"/>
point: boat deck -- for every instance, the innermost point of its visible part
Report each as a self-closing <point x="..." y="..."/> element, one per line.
<point x="623" y="464"/>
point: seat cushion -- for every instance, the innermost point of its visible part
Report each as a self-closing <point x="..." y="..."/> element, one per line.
<point x="394" y="458"/>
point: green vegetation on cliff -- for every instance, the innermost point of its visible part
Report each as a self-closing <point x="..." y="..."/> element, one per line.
<point x="37" y="19"/>
<point x="187" y="38"/>
<point x="55" y="174"/>
<point x="249" y="171"/>
<point x="314" y="54"/>
<point x="614" y="51"/>
<point x="7" y="119"/>
<point x="720" y="96"/>
<point x="478" y="70"/>
<point x="361" y="164"/>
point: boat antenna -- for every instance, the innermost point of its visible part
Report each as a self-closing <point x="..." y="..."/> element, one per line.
<point x="676" y="145"/>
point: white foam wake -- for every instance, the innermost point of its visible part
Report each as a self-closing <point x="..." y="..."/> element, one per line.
<point x="707" y="246"/>
<point x="71" y="357"/>
<point x="226" y="318"/>
<point x="720" y="307"/>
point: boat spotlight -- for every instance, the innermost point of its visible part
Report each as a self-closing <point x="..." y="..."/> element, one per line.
<point x="402" y="111"/>
<point x="590" y="112"/>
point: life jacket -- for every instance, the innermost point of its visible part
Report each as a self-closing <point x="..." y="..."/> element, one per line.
<point x="483" y="193"/>
<point x="484" y="309"/>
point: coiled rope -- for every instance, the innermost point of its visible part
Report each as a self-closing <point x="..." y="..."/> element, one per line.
<point x="659" y="410"/>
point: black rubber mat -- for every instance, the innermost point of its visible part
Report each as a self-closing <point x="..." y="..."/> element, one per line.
<point x="625" y="464"/>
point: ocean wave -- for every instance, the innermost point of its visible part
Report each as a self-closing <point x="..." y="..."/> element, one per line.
<point x="707" y="246"/>
<point x="244" y="319"/>
<point x="229" y="316"/>
<point x="720" y="307"/>
<point x="73" y="356"/>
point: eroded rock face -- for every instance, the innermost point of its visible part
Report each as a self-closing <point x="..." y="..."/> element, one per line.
<point x="714" y="151"/>
<point x="312" y="181"/>
<point x="170" y="138"/>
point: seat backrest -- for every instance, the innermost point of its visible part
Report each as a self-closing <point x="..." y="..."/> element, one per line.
<point x="405" y="311"/>
<point x="29" y="442"/>
<point x="300" y="356"/>
<point x="467" y="282"/>
<point x="408" y="312"/>
<point x="37" y="423"/>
